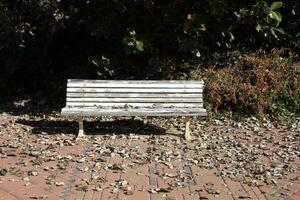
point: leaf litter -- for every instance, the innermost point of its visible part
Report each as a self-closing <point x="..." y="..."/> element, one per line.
<point x="251" y="152"/>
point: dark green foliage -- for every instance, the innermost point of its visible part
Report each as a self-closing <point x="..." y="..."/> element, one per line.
<point x="44" y="42"/>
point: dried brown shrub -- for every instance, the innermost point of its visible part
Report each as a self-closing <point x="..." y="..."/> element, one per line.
<point x="268" y="84"/>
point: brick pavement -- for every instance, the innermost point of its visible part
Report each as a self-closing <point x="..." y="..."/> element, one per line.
<point x="141" y="181"/>
<point x="146" y="177"/>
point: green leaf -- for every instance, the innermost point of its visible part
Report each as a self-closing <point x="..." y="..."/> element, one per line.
<point x="276" y="5"/>
<point x="139" y="45"/>
<point x="276" y="15"/>
<point x="231" y="36"/>
<point x="130" y="43"/>
<point x="99" y="73"/>
<point x="105" y="60"/>
<point x="258" y="28"/>
<point x="203" y="27"/>
<point x="237" y="15"/>
<point x="111" y="72"/>
<point x="132" y="33"/>
<point x="280" y="30"/>
<point x="94" y="61"/>
<point x="273" y="33"/>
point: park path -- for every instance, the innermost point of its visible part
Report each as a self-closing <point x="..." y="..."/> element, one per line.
<point x="145" y="181"/>
<point x="152" y="181"/>
<point x="40" y="159"/>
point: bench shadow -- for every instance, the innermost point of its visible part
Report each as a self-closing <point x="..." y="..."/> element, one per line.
<point x="118" y="127"/>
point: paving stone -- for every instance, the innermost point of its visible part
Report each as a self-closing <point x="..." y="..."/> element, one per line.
<point x="203" y="177"/>
<point x="258" y="193"/>
<point x="109" y="191"/>
<point x="7" y="196"/>
<point x="77" y="195"/>
<point x="32" y="191"/>
<point x="138" y="195"/>
<point x="152" y="181"/>
<point x="134" y="179"/>
<point x="249" y="191"/>
<point x="296" y="195"/>
<point x="138" y="183"/>
<point x="158" y="197"/>
<point x="187" y="196"/>
<point x="88" y="195"/>
<point x="269" y="193"/>
<point x="236" y="189"/>
<point x="187" y="170"/>
<point x="178" y="193"/>
<point x="152" y="169"/>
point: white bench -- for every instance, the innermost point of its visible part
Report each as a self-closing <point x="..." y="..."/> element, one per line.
<point x="134" y="98"/>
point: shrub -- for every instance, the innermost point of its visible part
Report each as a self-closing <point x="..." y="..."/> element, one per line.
<point x="255" y="84"/>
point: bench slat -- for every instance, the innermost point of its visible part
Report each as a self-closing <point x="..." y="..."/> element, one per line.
<point x="136" y="100"/>
<point x="135" y="90"/>
<point x="134" y="85"/>
<point x="87" y="104"/>
<point x="134" y="112"/>
<point x="133" y="95"/>
<point x="137" y="81"/>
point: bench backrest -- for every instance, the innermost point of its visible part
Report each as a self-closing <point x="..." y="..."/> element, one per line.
<point x="152" y="94"/>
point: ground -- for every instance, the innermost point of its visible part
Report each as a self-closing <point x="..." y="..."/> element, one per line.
<point x="146" y="158"/>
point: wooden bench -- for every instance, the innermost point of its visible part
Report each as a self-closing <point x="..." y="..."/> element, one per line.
<point x="134" y="98"/>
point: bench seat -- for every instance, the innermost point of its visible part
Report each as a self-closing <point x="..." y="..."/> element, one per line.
<point x="134" y="112"/>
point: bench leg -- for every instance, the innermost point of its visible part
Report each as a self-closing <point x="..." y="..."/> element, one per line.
<point x="80" y="132"/>
<point x="187" y="134"/>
